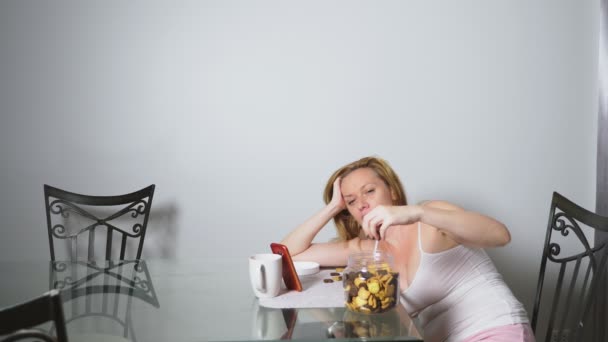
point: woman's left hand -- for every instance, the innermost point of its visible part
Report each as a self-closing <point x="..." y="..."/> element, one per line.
<point x="376" y="222"/>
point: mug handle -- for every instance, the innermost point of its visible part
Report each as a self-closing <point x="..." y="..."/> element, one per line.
<point x="261" y="279"/>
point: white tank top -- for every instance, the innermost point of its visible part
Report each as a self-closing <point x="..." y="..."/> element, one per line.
<point x="457" y="293"/>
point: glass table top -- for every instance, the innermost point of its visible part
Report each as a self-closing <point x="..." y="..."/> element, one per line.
<point x="183" y="300"/>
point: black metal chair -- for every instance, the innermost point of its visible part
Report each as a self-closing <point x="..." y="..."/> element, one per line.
<point x="17" y="321"/>
<point x="572" y="275"/>
<point x="93" y="213"/>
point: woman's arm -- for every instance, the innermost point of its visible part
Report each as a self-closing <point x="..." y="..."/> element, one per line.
<point x="334" y="253"/>
<point x="299" y="241"/>
<point x="448" y="220"/>
<point x="465" y="227"/>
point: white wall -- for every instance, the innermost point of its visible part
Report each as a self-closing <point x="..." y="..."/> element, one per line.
<point x="240" y="110"/>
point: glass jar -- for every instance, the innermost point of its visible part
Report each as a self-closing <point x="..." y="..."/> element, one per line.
<point x="371" y="283"/>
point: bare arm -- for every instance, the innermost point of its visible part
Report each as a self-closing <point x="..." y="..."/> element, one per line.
<point x="299" y="241"/>
<point x="465" y="227"/>
<point x="452" y="224"/>
<point x="334" y="253"/>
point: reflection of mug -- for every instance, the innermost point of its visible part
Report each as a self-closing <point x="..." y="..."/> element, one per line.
<point x="265" y="272"/>
<point x="267" y="323"/>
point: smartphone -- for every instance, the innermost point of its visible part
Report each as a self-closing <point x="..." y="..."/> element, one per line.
<point x="292" y="281"/>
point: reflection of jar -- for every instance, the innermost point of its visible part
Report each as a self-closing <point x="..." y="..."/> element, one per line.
<point x="357" y="325"/>
<point x="371" y="284"/>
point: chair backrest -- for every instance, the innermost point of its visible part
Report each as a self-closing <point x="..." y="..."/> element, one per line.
<point x="18" y="321"/>
<point x="571" y="275"/>
<point x="70" y="215"/>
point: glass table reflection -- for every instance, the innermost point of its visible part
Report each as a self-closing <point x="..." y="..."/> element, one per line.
<point x="102" y="292"/>
<point x="183" y="300"/>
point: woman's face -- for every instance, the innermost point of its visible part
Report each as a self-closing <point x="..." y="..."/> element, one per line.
<point x="362" y="191"/>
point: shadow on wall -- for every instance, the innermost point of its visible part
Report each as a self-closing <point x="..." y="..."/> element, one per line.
<point x="161" y="236"/>
<point x="521" y="276"/>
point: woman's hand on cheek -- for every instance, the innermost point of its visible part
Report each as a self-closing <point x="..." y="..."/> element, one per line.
<point x="377" y="221"/>
<point x="337" y="201"/>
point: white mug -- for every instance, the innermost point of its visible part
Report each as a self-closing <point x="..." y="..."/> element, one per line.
<point x="265" y="272"/>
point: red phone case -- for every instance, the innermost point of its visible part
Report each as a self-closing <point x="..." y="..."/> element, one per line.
<point x="290" y="276"/>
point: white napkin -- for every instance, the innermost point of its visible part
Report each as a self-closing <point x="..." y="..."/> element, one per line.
<point x="315" y="293"/>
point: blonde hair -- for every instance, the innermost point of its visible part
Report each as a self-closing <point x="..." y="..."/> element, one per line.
<point x="346" y="225"/>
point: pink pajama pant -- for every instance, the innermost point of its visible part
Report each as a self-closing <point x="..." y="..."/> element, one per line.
<point x="505" y="333"/>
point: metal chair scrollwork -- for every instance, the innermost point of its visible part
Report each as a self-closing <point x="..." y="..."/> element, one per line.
<point x="70" y="215"/>
<point x="572" y="275"/>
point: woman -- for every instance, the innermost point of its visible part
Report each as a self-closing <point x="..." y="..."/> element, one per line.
<point x="449" y="284"/>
